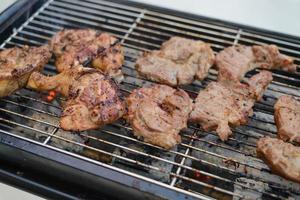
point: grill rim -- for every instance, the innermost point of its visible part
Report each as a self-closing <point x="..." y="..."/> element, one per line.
<point x="96" y="168"/>
<point x="172" y="12"/>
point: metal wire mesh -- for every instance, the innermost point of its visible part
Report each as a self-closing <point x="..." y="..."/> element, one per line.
<point x="201" y="164"/>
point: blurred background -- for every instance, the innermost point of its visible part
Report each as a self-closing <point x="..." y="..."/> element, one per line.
<point x="276" y="15"/>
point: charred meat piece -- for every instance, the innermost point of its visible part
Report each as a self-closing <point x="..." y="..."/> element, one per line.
<point x="71" y="37"/>
<point x="82" y="46"/>
<point x="235" y="61"/>
<point x="178" y="62"/>
<point x="226" y="103"/>
<point x="287" y="118"/>
<point x="283" y="158"/>
<point x="60" y="83"/>
<point x="16" y="65"/>
<point x="158" y="113"/>
<point x="93" y="99"/>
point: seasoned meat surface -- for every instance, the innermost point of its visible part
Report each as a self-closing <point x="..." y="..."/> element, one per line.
<point x="226" y="103"/>
<point x="235" y="61"/>
<point x="71" y="37"/>
<point x="16" y="65"/>
<point x="158" y="113"/>
<point x="93" y="99"/>
<point x="287" y="118"/>
<point x="178" y="62"/>
<point x="283" y="158"/>
<point x="78" y="47"/>
<point x="60" y="83"/>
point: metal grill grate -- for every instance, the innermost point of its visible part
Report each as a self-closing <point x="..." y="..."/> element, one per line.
<point x="201" y="166"/>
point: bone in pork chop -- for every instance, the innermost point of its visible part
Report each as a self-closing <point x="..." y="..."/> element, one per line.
<point x="158" y="113"/>
<point x="16" y="65"/>
<point x="226" y="103"/>
<point x="283" y="158"/>
<point x="178" y="62"/>
<point x="78" y="47"/>
<point x="235" y="61"/>
<point x="93" y="98"/>
<point x="287" y="118"/>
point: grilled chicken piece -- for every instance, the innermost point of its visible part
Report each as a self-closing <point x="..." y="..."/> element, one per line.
<point x="178" y="62"/>
<point x="16" y="65"/>
<point x="70" y="37"/>
<point x="235" y="61"/>
<point x="60" y="83"/>
<point x="283" y="158"/>
<point x="158" y="113"/>
<point x="93" y="98"/>
<point x="287" y="118"/>
<point x="226" y="103"/>
<point x="79" y="47"/>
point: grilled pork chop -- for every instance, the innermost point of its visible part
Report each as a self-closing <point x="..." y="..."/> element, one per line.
<point x="16" y="65"/>
<point x="287" y="118"/>
<point x="235" y="61"/>
<point x="78" y="47"/>
<point x="178" y="62"/>
<point x="158" y="113"/>
<point x="283" y="158"/>
<point x="226" y="103"/>
<point x="93" y="99"/>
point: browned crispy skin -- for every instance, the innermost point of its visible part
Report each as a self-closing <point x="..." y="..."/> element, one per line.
<point x="158" y="113"/>
<point x="60" y="83"/>
<point x="287" y="118"/>
<point x="235" y="61"/>
<point x="70" y="37"/>
<point x="283" y="158"/>
<point x="16" y="65"/>
<point x="178" y="62"/>
<point x="93" y="99"/>
<point x="226" y="103"/>
<point x="78" y="47"/>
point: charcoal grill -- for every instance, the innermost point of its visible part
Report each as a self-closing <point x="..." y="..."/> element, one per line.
<point x="111" y="159"/>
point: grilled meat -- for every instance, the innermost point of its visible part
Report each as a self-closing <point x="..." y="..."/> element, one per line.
<point x="178" y="62"/>
<point x="283" y="158"/>
<point x="93" y="99"/>
<point x="226" y="103"/>
<point x="78" y="47"/>
<point x="158" y="113"/>
<point x="60" y="83"/>
<point x="287" y="118"/>
<point x="71" y="37"/>
<point x="235" y="61"/>
<point x="16" y="65"/>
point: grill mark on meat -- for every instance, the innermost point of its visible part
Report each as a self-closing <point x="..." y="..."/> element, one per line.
<point x="93" y="98"/>
<point x="287" y="118"/>
<point x="158" y="113"/>
<point x="86" y="47"/>
<point x="178" y="62"/>
<point x="235" y="61"/>
<point x="17" y="64"/>
<point x="224" y="104"/>
<point x="100" y="96"/>
<point x="282" y="158"/>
